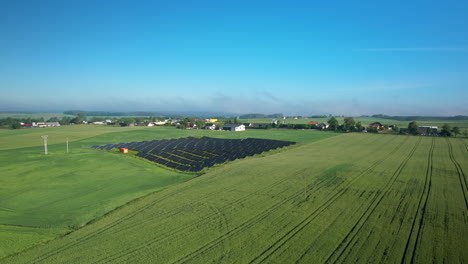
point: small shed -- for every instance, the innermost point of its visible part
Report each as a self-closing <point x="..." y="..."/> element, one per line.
<point x="124" y="150"/>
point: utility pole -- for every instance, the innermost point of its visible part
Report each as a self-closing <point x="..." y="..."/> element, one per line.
<point x="45" y="144"/>
<point x="67" y="144"/>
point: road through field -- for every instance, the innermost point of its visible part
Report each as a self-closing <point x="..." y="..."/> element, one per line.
<point x="355" y="198"/>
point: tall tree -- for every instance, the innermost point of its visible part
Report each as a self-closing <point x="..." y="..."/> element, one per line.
<point x="359" y="126"/>
<point x="446" y="130"/>
<point x="333" y="123"/>
<point x="456" y="130"/>
<point x="413" y="128"/>
<point x="349" y="124"/>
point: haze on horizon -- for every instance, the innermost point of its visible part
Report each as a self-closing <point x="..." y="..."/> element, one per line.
<point x="291" y="57"/>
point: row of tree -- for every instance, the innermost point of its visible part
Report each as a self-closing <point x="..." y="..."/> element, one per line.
<point x="349" y="125"/>
<point x="447" y="130"/>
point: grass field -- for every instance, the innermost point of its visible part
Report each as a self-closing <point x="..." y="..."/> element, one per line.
<point x="346" y="199"/>
<point x="45" y="196"/>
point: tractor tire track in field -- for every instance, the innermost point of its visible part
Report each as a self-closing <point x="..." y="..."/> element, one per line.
<point x="123" y="219"/>
<point x="305" y="222"/>
<point x="421" y="207"/>
<point x="461" y="174"/>
<point x="313" y="186"/>
<point x="356" y="229"/>
<point x="173" y="232"/>
<point x="129" y="216"/>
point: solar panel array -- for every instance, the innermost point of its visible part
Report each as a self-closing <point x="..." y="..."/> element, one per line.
<point x="193" y="154"/>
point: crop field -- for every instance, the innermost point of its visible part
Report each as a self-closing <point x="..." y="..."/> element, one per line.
<point x="351" y="198"/>
<point x="42" y="197"/>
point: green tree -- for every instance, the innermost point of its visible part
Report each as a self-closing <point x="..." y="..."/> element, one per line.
<point x="446" y="130"/>
<point x="126" y="122"/>
<point x="15" y="125"/>
<point x="359" y="126"/>
<point x="465" y="133"/>
<point x="456" y="130"/>
<point x="139" y="119"/>
<point x="413" y="128"/>
<point x="82" y="116"/>
<point x="349" y="124"/>
<point x="333" y="123"/>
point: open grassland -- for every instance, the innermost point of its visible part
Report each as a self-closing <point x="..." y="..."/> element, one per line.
<point x="43" y="196"/>
<point x="354" y="198"/>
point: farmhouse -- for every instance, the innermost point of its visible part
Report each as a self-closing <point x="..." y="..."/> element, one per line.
<point x="313" y="123"/>
<point x="233" y="127"/>
<point x="45" y="124"/>
<point x="323" y="125"/>
<point x="377" y="125"/>
<point x="210" y="126"/>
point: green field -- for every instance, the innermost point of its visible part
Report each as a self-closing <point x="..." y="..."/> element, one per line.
<point x="344" y="199"/>
<point x="44" y="196"/>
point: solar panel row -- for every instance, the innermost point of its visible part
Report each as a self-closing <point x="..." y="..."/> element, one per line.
<point x="193" y="154"/>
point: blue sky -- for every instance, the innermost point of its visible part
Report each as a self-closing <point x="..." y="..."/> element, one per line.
<point x="294" y="57"/>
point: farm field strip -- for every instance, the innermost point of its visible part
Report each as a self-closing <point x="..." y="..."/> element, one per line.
<point x="352" y="198"/>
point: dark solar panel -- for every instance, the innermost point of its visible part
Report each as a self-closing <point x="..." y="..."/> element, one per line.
<point x="194" y="154"/>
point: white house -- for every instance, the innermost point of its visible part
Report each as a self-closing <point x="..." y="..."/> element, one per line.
<point x="210" y="126"/>
<point x="233" y="127"/>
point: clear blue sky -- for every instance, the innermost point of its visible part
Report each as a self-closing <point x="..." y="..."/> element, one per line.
<point x="294" y="57"/>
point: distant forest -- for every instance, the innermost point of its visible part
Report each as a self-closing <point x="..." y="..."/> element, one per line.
<point x="103" y="113"/>
<point x="253" y="116"/>
<point x="422" y="118"/>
